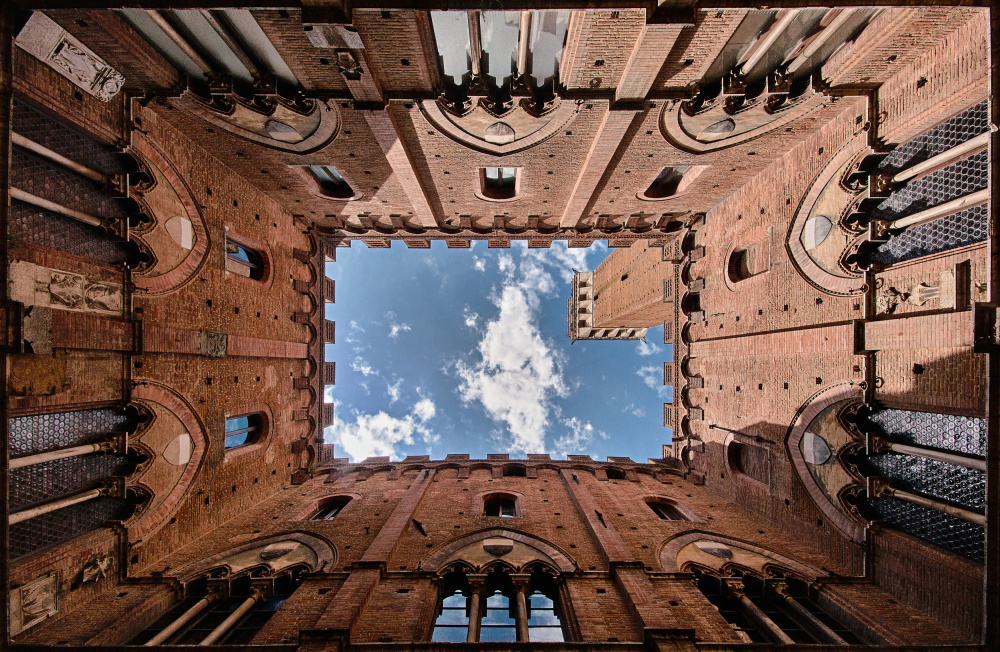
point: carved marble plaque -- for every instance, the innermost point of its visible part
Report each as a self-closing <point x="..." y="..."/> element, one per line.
<point x="34" y="285"/>
<point x="47" y="41"/>
<point x="33" y="602"/>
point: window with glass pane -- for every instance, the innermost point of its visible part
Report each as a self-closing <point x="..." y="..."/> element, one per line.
<point x="498" y="624"/>
<point x="243" y="260"/>
<point x="243" y="430"/>
<point x="503" y="506"/>
<point x="544" y="625"/>
<point x="499" y="183"/>
<point x="330" y="182"/>
<point x="452" y="623"/>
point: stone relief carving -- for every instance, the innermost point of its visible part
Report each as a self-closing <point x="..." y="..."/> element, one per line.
<point x="34" y="285"/>
<point x="214" y="345"/>
<point x="47" y="41"/>
<point x="95" y="569"/>
<point x="943" y="291"/>
<point x="33" y="602"/>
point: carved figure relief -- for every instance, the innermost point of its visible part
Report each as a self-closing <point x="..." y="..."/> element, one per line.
<point x="95" y="569"/>
<point x="34" y="285"/>
<point x="47" y="41"/>
<point x="33" y="602"/>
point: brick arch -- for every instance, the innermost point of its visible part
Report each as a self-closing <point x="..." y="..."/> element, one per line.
<point x="672" y="547"/>
<point x="195" y="260"/>
<point x="154" y="392"/>
<point x="807" y="268"/>
<point x="814" y="405"/>
<point x="563" y="561"/>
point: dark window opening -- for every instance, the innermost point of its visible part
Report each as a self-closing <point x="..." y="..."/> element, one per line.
<point x="666" y="510"/>
<point x="672" y="181"/>
<point x="615" y="474"/>
<point x="515" y="471"/>
<point x="499" y="183"/>
<point x="330" y="182"/>
<point x="502" y="506"/>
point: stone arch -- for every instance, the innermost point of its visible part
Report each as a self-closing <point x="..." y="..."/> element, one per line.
<point x="445" y="555"/>
<point x="803" y="420"/>
<point x="768" y="560"/>
<point x="190" y="455"/>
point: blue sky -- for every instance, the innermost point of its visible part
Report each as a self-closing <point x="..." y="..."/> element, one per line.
<point x="465" y="351"/>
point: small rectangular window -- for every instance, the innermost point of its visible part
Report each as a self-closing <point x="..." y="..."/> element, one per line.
<point x="330" y="182"/>
<point x="243" y="260"/>
<point x="499" y="183"/>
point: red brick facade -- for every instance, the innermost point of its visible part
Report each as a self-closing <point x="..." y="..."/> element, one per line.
<point x="777" y="344"/>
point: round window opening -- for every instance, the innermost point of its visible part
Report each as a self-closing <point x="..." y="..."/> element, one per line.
<point x="815" y="231"/>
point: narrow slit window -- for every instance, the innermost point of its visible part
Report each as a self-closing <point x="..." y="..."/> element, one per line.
<point x="243" y="430"/>
<point x="499" y="183"/>
<point x="330" y="182"/>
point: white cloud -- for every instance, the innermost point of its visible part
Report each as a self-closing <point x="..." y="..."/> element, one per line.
<point x="471" y="318"/>
<point x="396" y="329"/>
<point x="393" y="390"/>
<point x="374" y="435"/>
<point x="633" y="409"/>
<point x="362" y="367"/>
<point x="517" y="375"/>
<point x="505" y="263"/>
<point x="647" y="348"/>
<point x="479" y="264"/>
<point x="653" y="377"/>
<point x="579" y="435"/>
<point x="356" y="326"/>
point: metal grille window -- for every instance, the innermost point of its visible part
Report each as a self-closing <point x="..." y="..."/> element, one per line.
<point x="221" y="611"/>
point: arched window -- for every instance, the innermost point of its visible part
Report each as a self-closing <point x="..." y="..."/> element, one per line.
<point x="330" y="507"/>
<point x="489" y="610"/>
<point x="244" y="260"/>
<point x="213" y="601"/>
<point x="330" y="182"/>
<point x="672" y="181"/>
<point x="502" y="505"/>
<point x="499" y="183"/>
<point x="244" y="430"/>
<point x="666" y="510"/>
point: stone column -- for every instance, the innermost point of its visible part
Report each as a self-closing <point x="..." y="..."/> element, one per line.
<point x="477" y="585"/>
<point x="877" y="445"/>
<point x="805" y="617"/>
<point x="754" y="613"/>
<point x="107" y="446"/>
<point x="110" y="489"/>
<point x="227" y="624"/>
<point x="182" y="620"/>
<point x="521" y="582"/>
<point x="881" y="488"/>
